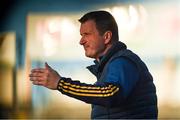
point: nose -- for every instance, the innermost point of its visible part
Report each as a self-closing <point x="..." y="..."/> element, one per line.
<point x="82" y="41"/>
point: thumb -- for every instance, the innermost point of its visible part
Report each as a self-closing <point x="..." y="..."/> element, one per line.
<point x="47" y="66"/>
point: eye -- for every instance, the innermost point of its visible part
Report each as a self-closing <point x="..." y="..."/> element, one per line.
<point x="85" y="34"/>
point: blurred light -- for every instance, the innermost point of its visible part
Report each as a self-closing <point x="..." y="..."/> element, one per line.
<point x="121" y="16"/>
<point x="67" y="26"/>
<point x="68" y="31"/>
<point x="49" y="45"/>
<point x="134" y="18"/>
<point x="54" y="25"/>
<point x="106" y="9"/>
<point x="143" y="14"/>
<point x="7" y="64"/>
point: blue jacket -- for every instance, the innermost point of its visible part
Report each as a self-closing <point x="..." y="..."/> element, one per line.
<point x="124" y="87"/>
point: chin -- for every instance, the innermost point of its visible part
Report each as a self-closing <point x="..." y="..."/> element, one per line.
<point x="90" y="56"/>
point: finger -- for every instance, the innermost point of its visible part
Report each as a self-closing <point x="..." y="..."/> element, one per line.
<point x="47" y="66"/>
<point x="40" y="79"/>
<point x="42" y="70"/>
<point x="36" y="74"/>
<point x="37" y="83"/>
<point x="36" y="79"/>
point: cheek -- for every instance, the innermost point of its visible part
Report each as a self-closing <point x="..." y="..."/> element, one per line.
<point x="95" y="44"/>
<point x="99" y="44"/>
<point x="97" y="48"/>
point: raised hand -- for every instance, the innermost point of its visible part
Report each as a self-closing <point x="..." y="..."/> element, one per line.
<point x="46" y="77"/>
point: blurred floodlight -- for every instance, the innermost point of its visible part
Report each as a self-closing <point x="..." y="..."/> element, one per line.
<point x="121" y="16"/>
<point x="54" y="26"/>
<point x="134" y="18"/>
<point x="49" y="45"/>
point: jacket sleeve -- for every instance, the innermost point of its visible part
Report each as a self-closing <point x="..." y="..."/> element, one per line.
<point x="101" y="93"/>
<point x="119" y="82"/>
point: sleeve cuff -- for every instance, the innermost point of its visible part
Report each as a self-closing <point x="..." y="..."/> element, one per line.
<point x="60" y="82"/>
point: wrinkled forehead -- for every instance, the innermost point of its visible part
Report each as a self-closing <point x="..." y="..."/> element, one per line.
<point x="88" y="25"/>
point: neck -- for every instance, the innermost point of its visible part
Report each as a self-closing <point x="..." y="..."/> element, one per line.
<point x="108" y="46"/>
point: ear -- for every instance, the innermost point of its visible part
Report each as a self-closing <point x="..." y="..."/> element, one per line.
<point x="107" y="37"/>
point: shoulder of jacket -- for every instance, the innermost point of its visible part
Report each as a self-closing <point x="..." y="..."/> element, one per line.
<point x="121" y="53"/>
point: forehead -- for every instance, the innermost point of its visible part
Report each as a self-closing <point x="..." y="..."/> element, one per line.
<point x="88" y="25"/>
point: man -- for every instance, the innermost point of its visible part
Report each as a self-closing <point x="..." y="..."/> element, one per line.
<point x="124" y="87"/>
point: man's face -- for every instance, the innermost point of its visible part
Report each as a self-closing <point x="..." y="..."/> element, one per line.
<point x="91" y="40"/>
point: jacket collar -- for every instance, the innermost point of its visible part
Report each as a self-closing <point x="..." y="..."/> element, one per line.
<point x="98" y="66"/>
